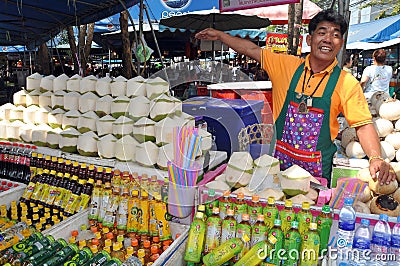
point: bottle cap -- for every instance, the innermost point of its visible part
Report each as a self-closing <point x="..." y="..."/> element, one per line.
<point x="67" y="162"/>
<point x="141" y="253"/>
<point x="48" y="226"/>
<point x="57" y="221"/>
<point x="53" y="172"/>
<point x="91" y="167"/>
<point x="35" y="216"/>
<point x="365" y="222"/>
<point x="40" y="155"/>
<point x="32" y="205"/>
<point x="110" y="235"/>
<point x="154" y="249"/>
<point x="38" y="226"/>
<point x="272" y="239"/>
<point x="227" y="193"/>
<point x="383" y="217"/>
<point x="55" y="211"/>
<point x="75" y="164"/>
<point x="129" y="251"/>
<point x="294" y="224"/>
<point x="215" y="210"/>
<point x="94" y="229"/>
<point x="35" y="209"/>
<point x="90" y="181"/>
<point x="43" y="220"/>
<point x="108" y="170"/>
<point x="15" y="217"/>
<point x="146" y="243"/>
<point x="348" y="201"/>
<point x="153" y="178"/>
<point x="245" y="238"/>
<point x="28" y="222"/>
<point x="108" y="242"/>
<point x="95" y="241"/>
<point x="144" y="194"/>
<point x="116" y="246"/>
<point x="277" y="222"/>
<point x="75" y="233"/>
<point x="288" y="203"/>
<point x="255" y="198"/>
<point x="60" y="175"/>
<point x="135" y="193"/>
<point x="199" y="215"/>
<point x="47" y="214"/>
<point x="99" y="169"/>
<point x="74" y="177"/>
<point x="230" y="212"/>
<point x="120" y="238"/>
<point x="94" y="249"/>
<point x="305" y="205"/>
<point x="201" y="208"/>
<point x="157" y="196"/>
<point x="54" y="217"/>
<point x="83" y="227"/>
<point x="260" y="217"/>
<point x="60" y="160"/>
<point x="240" y="195"/>
<point x="105" y="230"/>
<point x="156" y="239"/>
<point x="326" y="209"/>
<point x="82" y="243"/>
<point x="313" y="226"/>
<point x="54" y="159"/>
<point x="211" y="192"/>
<point x="82" y="181"/>
<point x="134" y="242"/>
<point x="48" y="157"/>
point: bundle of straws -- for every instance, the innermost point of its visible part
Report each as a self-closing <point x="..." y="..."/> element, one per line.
<point x="184" y="170"/>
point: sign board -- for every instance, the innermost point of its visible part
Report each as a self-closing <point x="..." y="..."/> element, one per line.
<point x="232" y="5"/>
<point x="277" y="42"/>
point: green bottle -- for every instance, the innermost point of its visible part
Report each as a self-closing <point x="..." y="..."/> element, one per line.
<point x="259" y="231"/>
<point x="291" y="243"/>
<point x="287" y="215"/>
<point x="99" y="259"/>
<point x="225" y="204"/>
<point x="113" y="262"/>
<point x="45" y="254"/>
<point x="240" y="207"/>
<point x="32" y="249"/>
<point x="20" y="246"/>
<point x="276" y="231"/>
<point x="304" y="217"/>
<point x="255" y="208"/>
<point x="324" y="222"/>
<point x="213" y="232"/>
<point x="228" y="228"/>
<point x="62" y="256"/>
<point x="225" y="251"/>
<point x="211" y="202"/>
<point x="310" y="247"/>
<point x="83" y="256"/>
<point x="196" y="238"/>
<point x="244" y="228"/>
<point x="258" y="253"/>
<point x="270" y="213"/>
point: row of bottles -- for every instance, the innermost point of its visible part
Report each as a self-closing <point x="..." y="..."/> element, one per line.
<point x="11" y="232"/>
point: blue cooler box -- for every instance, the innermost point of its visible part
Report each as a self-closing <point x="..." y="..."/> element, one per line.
<point x="225" y="118"/>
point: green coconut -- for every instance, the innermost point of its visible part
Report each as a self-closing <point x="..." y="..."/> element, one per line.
<point x="295" y="180"/>
<point x="144" y="130"/>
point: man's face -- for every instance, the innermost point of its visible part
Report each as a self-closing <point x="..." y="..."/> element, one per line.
<point x="325" y="42"/>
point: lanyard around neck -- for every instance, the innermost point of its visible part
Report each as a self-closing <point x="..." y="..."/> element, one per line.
<point x="304" y="81"/>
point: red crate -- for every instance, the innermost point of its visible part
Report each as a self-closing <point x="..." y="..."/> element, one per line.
<point x="265" y="95"/>
<point x="202" y="91"/>
<point x="224" y="94"/>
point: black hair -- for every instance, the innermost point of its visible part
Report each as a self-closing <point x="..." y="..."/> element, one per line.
<point x="348" y="58"/>
<point x="330" y="16"/>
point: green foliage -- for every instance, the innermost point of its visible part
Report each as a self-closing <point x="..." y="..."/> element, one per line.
<point x="324" y="4"/>
<point x="388" y="7"/>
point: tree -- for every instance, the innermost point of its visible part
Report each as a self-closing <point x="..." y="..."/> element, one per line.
<point x="126" y="45"/>
<point x="295" y="13"/>
<point x="388" y="7"/>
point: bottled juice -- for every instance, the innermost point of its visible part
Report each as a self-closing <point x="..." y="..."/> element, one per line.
<point x="144" y="183"/>
<point x="74" y="198"/>
<point x="255" y="208"/>
<point x="201" y="208"/>
<point x="304" y="217"/>
<point x="26" y="196"/>
<point x="143" y="214"/>
<point x="154" y="253"/>
<point x="147" y="250"/>
<point x="54" y="190"/>
<point x="291" y="242"/>
<point x="116" y="179"/>
<point x="196" y="238"/>
<point x="225" y="251"/>
<point x="129" y="252"/>
<point x="80" y="258"/>
<point x="258" y="253"/>
<point x="213" y="233"/>
<point x="259" y="231"/>
<point x="210" y="202"/>
<point x="164" y="190"/>
<point x="244" y="228"/>
<point x="41" y="256"/>
<point x="164" y="231"/>
<point x="105" y="201"/>
<point x="62" y="188"/>
<point x="133" y="207"/>
<point x="7" y="253"/>
<point x="228" y="229"/>
<point x="324" y="222"/>
<point x="84" y="198"/>
<point x="99" y="258"/>
<point x="240" y="207"/>
<point x="287" y="216"/>
<point x="153" y="231"/>
<point x="32" y="249"/>
<point x="113" y="262"/>
<point x="141" y="255"/>
<point x="154" y="185"/>
<point x="224" y="204"/>
<point x="62" y="256"/>
<point x="310" y="247"/>
<point x="270" y="213"/>
<point x="107" y="176"/>
<point x="122" y="215"/>
<point x="99" y="174"/>
<point x="276" y="231"/>
<point x="116" y="252"/>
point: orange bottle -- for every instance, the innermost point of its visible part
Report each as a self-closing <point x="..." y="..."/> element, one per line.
<point x="154" y="253"/>
<point x="147" y="250"/>
<point x="135" y="246"/>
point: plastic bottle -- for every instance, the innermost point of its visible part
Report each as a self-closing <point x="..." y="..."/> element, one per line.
<point x="213" y="233"/>
<point x="304" y="217"/>
<point x="287" y="215"/>
<point x="362" y="242"/>
<point x="99" y="259"/>
<point x="395" y="245"/>
<point x="80" y="258"/>
<point x="104" y="202"/>
<point x="259" y="231"/>
<point x="132" y="261"/>
<point x="292" y="242"/>
<point x="196" y="238"/>
<point x="244" y="228"/>
<point x="228" y="229"/>
<point x="164" y="232"/>
<point x="255" y="208"/>
<point x="240" y="207"/>
<point x="345" y="234"/>
<point x="381" y="236"/>
<point x="276" y="231"/>
<point x="224" y="204"/>
<point x="133" y="207"/>
<point x="116" y="252"/>
<point x="258" y="253"/>
<point x="62" y="256"/>
<point x="43" y="255"/>
<point x="122" y="216"/>
<point x="143" y="214"/>
<point x="324" y="222"/>
<point x="210" y="202"/>
<point x="310" y="247"/>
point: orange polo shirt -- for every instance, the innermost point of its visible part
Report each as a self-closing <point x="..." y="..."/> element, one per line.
<point x="347" y="98"/>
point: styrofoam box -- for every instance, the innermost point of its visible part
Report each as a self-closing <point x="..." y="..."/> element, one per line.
<point x="63" y="230"/>
<point x="12" y="194"/>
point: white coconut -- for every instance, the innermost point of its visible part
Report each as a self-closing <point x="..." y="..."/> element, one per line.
<point x="387" y="151"/>
<point x="12" y="130"/>
<point x="71" y="101"/>
<point x="119" y="106"/>
<point x="45" y="99"/>
<point x="46" y="83"/>
<point x="33" y="82"/>
<point x="146" y="153"/>
<point x="30" y="113"/>
<point x="397" y="125"/>
<point x="19" y="98"/>
<point x="398" y="155"/>
<point x="103" y="105"/>
<point x="17" y="113"/>
<point x="221" y="186"/>
<point x="139" y="107"/>
<point x="144" y="130"/>
<point x="155" y="87"/>
<point x="270" y="192"/>
<point x="300" y="198"/>
<point x="390" y="110"/>
<point x="70" y="119"/>
<point x="55" y="118"/>
<point x="106" y="146"/>
<point x="122" y="126"/>
<point x="69" y="139"/>
<point x="5" y="111"/>
<point x="164" y="131"/>
<point x="87" y="122"/>
<point x="74" y="83"/>
<point x="383" y="127"/>
<point x="177" y="104"/>
<point x="348" y="135"/>
<point x="57" y="100"/>
<point x="87" y="144"/>
<point x="87" y="102"/>
<point x="394" y="140"/>
<point x="269" y="163"/>
<point x="118" y="86"/>
<point x="88" y="84"/>
<point x="354" y="150"/>
<point x="136" y="87"/>
<point x="240" y="169"/>
<point x="165" y="154"/>
<point x="32" y="98"/>
<point x="39" y="135"/>
<point x="103" y="86"/>
<point x="161" y="106"/>
<point x="60" y="83"/>
<point x="25" y="133"/>
<point x="125" y="148"/>
<point x="295" y="180"/>
<point x="53" y="138"/>
<point x="42" y="115"/>
<point x="3" y="129"/>
<point x="184" y="119"/>
<point x="104" y="125"/>
<point x="206" y="140"/>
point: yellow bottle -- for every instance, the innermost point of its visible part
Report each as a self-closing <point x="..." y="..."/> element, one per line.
<point x="143" y="214"/>
<point x="257" y="253"/>
<point x="196" y="239"/>
<point x="116" y="252"/>
<point x="133" y="209"/>
<point x="164" y="231"/>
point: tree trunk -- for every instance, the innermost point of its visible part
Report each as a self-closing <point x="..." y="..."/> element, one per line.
<point x="297" y="26"/>
<point x="291" y="18"/>
<point x="72" y="47"/>
<point x="89" y="40"/>
<point x="81" y="47"/>
<point x="44" y="60"/>
<point x="126" y="46"/>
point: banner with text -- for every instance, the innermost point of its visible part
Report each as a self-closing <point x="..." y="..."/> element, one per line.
<point x="277" y="42"/>
<point x="232" y="5"/>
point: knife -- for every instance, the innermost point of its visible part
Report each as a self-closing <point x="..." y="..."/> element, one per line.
<point x="318" y="186"/>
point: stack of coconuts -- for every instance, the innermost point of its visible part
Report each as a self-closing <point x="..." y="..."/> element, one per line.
<point x="264" y="178"/>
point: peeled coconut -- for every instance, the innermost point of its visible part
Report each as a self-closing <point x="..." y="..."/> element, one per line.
<point x="155" y="87"/>
<point x="87" y="102"/>
<point x="161" y="106"/>
<point x="164" y="131"/>
<point x="53" y="138"/>
<point x="184" y="119"/>
<point x="139" y="107"/>
<point x="144" y="130"/>
<point x="17" y="113"/>
<point x="39" y="135"/>
<point x="46" y="83"/>
<point x="30" y="113"/>
<point x="55" y="118"/>
<point x="87" y="122"/>
<point x="300" y="198"/>
<point x="103" y="105"/>
<point x="45" y="99"/>
<point x="394" y="140"/>
<point x="119" y="106"/>
<point x="365" y="195"/>
<point x="312" y="194"/>
<point x="25" y="133"/>
<point x="165" y="154"/>
<point x="19" y="98"/>
<point x="60" y="83"/>
<point x="12" y="130"/>
<point x="88" y="84"/>
<point x="136" y="87"/>
<point x="125" y="148"/>
<point x="384" y="189"/>
<point x="361" y="207"/>
<point x="146" y="154"/>
<point x="42" y="115"/>
<point x="383" y="127"/>
<point x="87" y="144"/>
<point x="57" y="100"/>
<point x="387" y="150"/>
<point x="71" y="100"/>
<point x="104" y="125"/>
<point x="33" y="82"/>
<point x="70" y="119"/>
<point x="118" y="86"/>
<point x="103" y="86"/>
<point x="219" y="185"/>
<point x="269" y="163"/>
<point x="364" y="175"/>
<point x="390" y="110"/>
<point x="106" y="146"/>
<point x="5" y="110"/>
<point x="295" y="180"/>
<point x="74" y="84"/>
<point x="69" y="139"/>
<point x="269" y="192"/>
<point x="32" y="98"/>
<point x="206" y="140"/>
<point x="239" y="170"/>
<point x="122" y="126"/>
<point x="354" y="150"/>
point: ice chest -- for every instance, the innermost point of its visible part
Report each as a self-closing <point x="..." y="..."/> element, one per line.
<point x="225" y="118"/>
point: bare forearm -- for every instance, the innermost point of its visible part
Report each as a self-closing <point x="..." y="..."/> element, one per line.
<point x="369" y="140"/>
<point x="242" y="46"/>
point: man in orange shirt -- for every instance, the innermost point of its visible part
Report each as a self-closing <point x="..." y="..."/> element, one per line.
<point x="308" y="95"/>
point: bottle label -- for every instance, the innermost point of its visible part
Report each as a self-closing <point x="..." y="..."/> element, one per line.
<point x="254" y="211"/>
<point x="59" y="199"/>
<point x="228" y="230"/>
<point x="396" y="241"/>
<point x="292" y="242"/>
<point x="361" y="243"/>
<point x="133" y="224"/>
<point x="152" y="220"/>
<point x="259" y="233"/>
<point x="164" y="231"/>
<point x="83" y="202"/>
<point x="210" y="206"/>
<point x="213" y="234"/>
<point x="239" y="210"/>
<point x="287" y="217"/>
<point x="53" y="193"/>
<point x="346" y="226"/>
<point x="381" y="239"/>
<point x="143" y="217"/>
<point x="311" y="242"/>
<point x="28" y="191"/>
<point x="304" y="219"/>
<point x="324" y="231"/>
<point x="103" y="206"/>
<point x="270" y="214"/>
<point x="94" y="204"/>
<point x="241" y="230"/>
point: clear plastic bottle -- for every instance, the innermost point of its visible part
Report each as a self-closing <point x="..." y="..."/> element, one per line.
<point x="381" y="235"/>
<point x="362" y="242"/>
<point x="345" y="234"/>
<point x="395" y="244"/>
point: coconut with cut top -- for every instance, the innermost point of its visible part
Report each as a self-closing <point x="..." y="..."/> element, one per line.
<point x="45" y="99"/>
<point x="136" y="87"/>
<point x="155" y="87"/>
<point x="33" y="82"/>
<point x="19" y="98"/>
<point x="46" y="83"/>
<point x="118" y="86"/>
<point x="25" y="132"/>
<point x="125" y="148"/>
<point x="106" y="146"/>
<point x="144" y="130"/>
<point x="55" y="118"/>
<point x="70" y="119"/>
<point x="146" y="154"/>
<point x="119" y="106"/>
<point x="71" y="100"/>
<point x="60" y="83"/>
<point x="103" y="86"/>
<point x="88" y="84"/>
<point x="42" y="115"/>
<point x="240" y="169"/>
<point x="122" y="126"/>
<point x="74" y="83"/>
<point x="161" y="107"/>
<point x="87" y="122"/>
<point x="103" y="105"/>
<point x="53" y="138"/>
<point x="139" y="107"/>
<point x="68" y="140"/>
<point x="104" y="125"/>
<point x="87" y="144"/>
<point x="39" y="135"/>
<point x="87" y="102"/>
<point x="295" y="180"/>
<point x="17" y="113"/>
<point x="57" y="100"/>
<point x="30" y="113"/>
<point x="12" y="130"/>
<point x="32" y="98"/>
